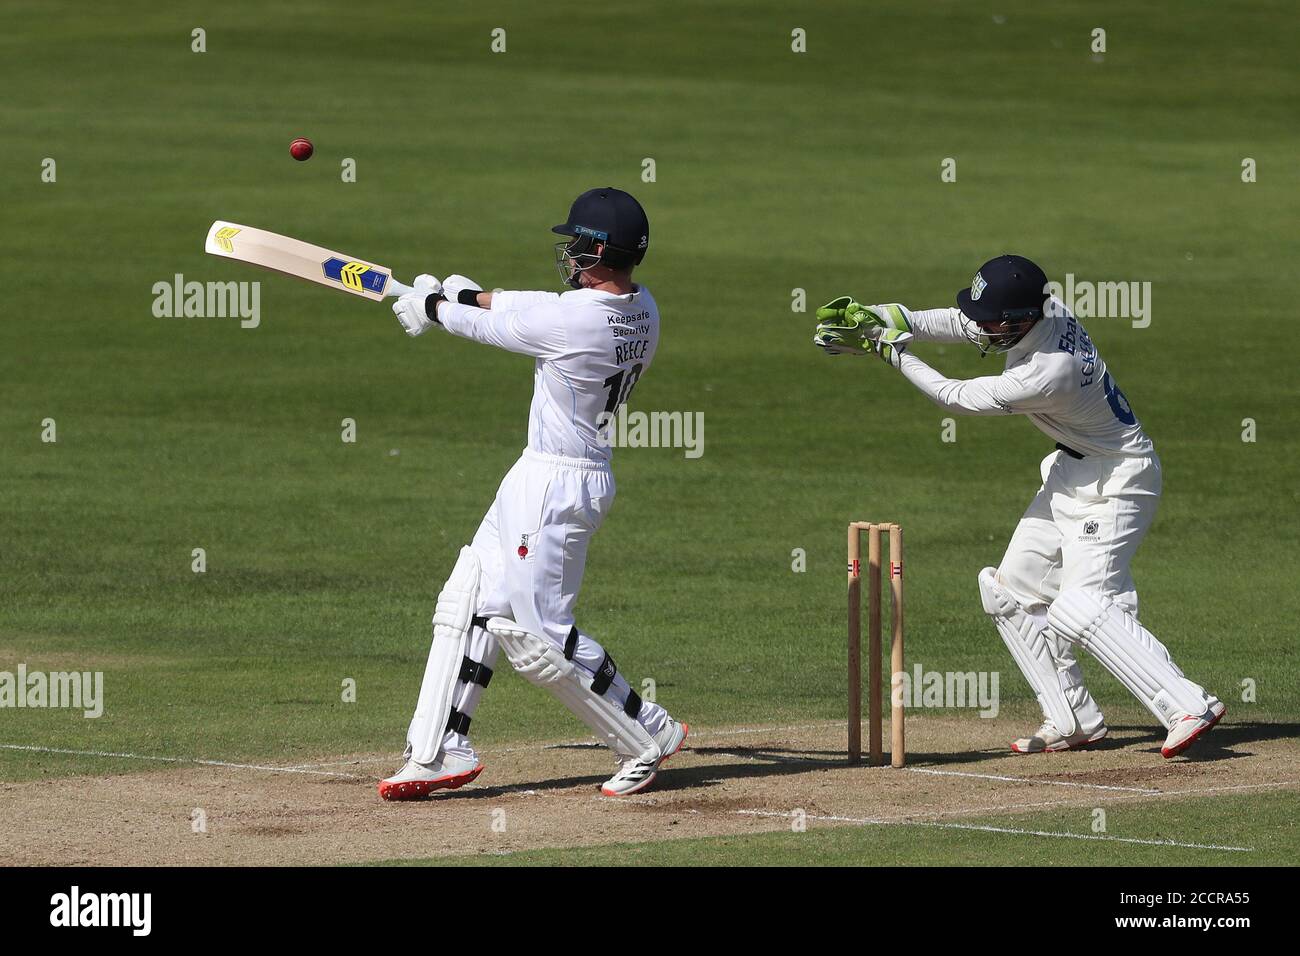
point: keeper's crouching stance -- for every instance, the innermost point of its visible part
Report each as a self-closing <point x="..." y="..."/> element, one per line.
<point x="1064" y="581"/>
<point x="515" y="587"/>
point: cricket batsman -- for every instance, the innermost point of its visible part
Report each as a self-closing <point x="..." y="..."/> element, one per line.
<point x="1064" y="581"/>
<point x="516" y="585"/>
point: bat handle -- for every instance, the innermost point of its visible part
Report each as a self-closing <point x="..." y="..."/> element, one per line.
<point x="396" y="288"/>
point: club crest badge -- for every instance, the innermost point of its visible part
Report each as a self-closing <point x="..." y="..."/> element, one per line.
<point x="977" y="287"/>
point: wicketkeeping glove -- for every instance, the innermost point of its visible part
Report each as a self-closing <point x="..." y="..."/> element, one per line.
<point x="845" y="327"/>
<point x="842" y="327"/>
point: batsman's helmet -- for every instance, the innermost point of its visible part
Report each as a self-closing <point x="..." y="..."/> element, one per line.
<point x="607" y="216"/>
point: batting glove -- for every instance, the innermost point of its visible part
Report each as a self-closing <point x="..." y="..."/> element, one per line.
<point x="410" y="309"/>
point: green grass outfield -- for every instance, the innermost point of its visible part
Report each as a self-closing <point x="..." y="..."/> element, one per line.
<point x="775" y="171"/>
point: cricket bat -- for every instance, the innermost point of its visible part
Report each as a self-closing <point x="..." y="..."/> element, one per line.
<point x="302" y="260"/>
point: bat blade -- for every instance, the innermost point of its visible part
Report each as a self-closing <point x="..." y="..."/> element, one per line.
<point x="293" y="257"/>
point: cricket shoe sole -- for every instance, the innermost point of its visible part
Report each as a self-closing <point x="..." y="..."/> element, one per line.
<point x="416" y="781"/>
<point x="1056" y="743"/>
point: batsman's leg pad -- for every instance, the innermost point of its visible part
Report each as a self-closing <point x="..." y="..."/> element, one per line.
<point x="542" y="663"/>
<point x="452" y="618"/>
<point x="1128" y="650"/>
<point x="1027" y="639"/>
<point x="476" y="669"/>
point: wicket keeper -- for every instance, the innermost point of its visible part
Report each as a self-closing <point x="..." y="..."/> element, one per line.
<point x="1064" y="581"/>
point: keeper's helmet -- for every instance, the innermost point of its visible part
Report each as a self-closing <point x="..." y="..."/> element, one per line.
<point x="608" y="217"/>
<point x="1003" y="302"/>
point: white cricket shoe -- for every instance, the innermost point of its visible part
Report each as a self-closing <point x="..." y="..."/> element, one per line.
<point x="417" y="780"/>
<point x="1047" y="739"/>
<point x="1189" y="727"/>
<point x="637" y="773"/>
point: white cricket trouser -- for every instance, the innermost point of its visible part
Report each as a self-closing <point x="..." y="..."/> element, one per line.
<point x="532" y="546"/>
<point x="1081" y="530"/>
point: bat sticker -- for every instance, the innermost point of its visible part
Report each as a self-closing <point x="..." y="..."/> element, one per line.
<point x="356" y="276"/>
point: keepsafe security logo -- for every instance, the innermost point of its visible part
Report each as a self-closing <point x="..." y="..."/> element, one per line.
<point x="75" y="908"/>
<point x="356" y="276"/>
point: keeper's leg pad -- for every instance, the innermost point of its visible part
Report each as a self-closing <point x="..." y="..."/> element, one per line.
<point x="1128" y="650"/>
<point x="542" y="663"/>
<point x="1026" y="638"/>
<point x="452" y="619"/>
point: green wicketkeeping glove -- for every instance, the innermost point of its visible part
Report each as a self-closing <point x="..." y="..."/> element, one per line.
<point x="845" y="327"/>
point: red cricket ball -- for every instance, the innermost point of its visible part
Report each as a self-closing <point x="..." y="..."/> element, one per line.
<point x="301" y="149"/>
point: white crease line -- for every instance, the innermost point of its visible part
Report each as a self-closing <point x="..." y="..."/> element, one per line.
<point x="1003" y="808"/>
<point x="194" y="760"/>
<point x="1013" y="831"/>
<point x="1043" y="804"/>
<point x="1235" y="786"/>
<point x="1008" y="807"/>
<point x="1052" y="783"/>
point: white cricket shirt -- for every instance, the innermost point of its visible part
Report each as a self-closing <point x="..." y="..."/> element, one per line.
<point x="1053" y="375"/>
<point x="591" y="348"/>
